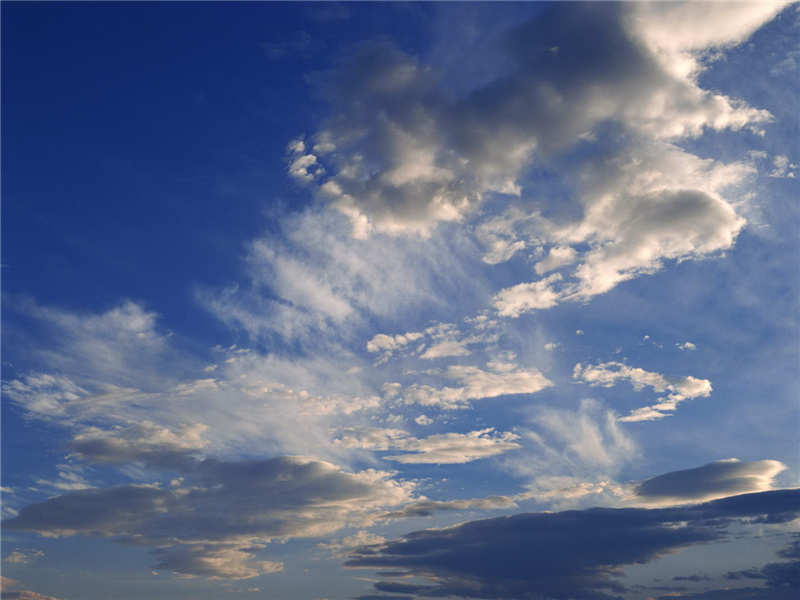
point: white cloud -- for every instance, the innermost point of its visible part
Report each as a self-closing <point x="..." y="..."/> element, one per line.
<point x="23" y="556"/>
<point x="782" y="167"/>
<point x="477" y="384"/>
<point x="402" y="154"/>
<point x="686" y="346"/>
<point x="446" y="348"/>
<point x="679" y="388"/>
<point x="525" y="297"/>
<point x="446" y="448"/>
<point x="559" y="256"/>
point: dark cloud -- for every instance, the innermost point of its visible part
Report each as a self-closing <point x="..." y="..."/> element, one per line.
<point x="714" y="480"/>
<point x="748" y="593"/>
<point x="564" y="555"/>
<point x="215" y="520"/>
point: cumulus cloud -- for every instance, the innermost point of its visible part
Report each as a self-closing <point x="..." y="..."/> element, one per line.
<point x="563" y="555"/>
<point x="502" y="380"/>
<point x="404" y="154"/>
<point x="445" y="448"/>
<point x="679" y="388"/>
<point x="214" y="520"/>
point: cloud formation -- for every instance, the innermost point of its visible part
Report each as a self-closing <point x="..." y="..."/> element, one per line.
<point x="503" y="379"/>
<point x="718" y="479"/>
<point x="679" y="388"/>
<point x="444" y="448"/>
<point x="214" y="519"/>
<point x="564" y="555"/>
<point x="595" y="94"/>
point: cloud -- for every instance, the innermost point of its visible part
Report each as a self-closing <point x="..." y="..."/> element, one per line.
<point x="312" y="283"/>
<point x="445" y="448"/>
<point x="564" y="555"/>
<point x="680" y="388"/>
<point x="571" y="447"/>
<point x="23" y="556"/>
<point x="146" y="442"/>
<point x="213" y="521"/>
<point x="401" y="153"/>
<point x="525" y="297"/>
<point x="9" y="594"/>
<point x="718" y="479"/>
<point x="477" y="384"/>
<point x="426" y="508"/>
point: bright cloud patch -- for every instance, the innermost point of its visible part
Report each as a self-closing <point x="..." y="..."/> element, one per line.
<point x="679" y="388"/>
<point x="501" y="381"/>
<point x="446" y="448"/>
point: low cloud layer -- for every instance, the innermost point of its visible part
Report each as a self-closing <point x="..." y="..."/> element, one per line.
<point x="213" y="520"/>
<point x="565" y="555"/>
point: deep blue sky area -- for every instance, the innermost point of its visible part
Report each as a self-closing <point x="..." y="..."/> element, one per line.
<point x="400" y="300"/>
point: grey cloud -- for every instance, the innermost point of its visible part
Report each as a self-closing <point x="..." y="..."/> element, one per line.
<point x="145" y="441"/>
<point x="565" y="555"/>
<point x="714" y="480"/>
<point x="403" y="154"/>
<point x="747" y="593"/>
<point x="204" y="524"/>
<point x="427" y="508"/>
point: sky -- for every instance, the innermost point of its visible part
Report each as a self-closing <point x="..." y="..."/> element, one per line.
<point x="329" y="301"/>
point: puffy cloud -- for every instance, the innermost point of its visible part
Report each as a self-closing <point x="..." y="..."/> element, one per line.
<point x="501" y="381"/>
<point x="402" y="153"/>
<point x="214" y="521"/>
<point x="525" y="297"/>
<point x="564" y="555"/>
<point x="445" y="448"/>
<point x="715" y="480"/>
<point x="679" y="388"/>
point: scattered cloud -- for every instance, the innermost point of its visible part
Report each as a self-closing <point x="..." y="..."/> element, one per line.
<point x="445" y="448"/>
<point x="679" y="388"/>
<point x="502" y="380"/>
<point x="23" y="556"/>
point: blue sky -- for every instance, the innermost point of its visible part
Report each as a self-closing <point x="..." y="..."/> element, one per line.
<point x="394" y="300"/>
